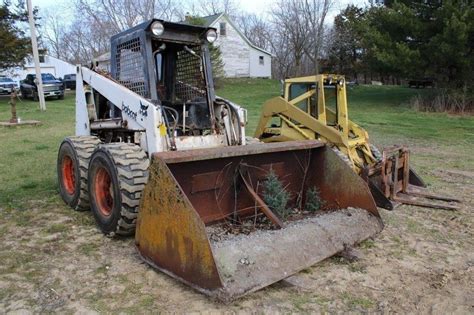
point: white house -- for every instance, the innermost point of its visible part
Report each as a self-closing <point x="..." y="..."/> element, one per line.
<point x="241" y="58"/>
<point x="48" y="64"/>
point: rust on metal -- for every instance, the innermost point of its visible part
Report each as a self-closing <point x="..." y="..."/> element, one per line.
<point x="402" y="185"/>
<point x="206" y="181"/>
<point x="203" y="154"/>
<point x="337" y="186"/>
<point x="171" y="234"/>
<point x="244" y="174"/>
<point x="190" y="190"/>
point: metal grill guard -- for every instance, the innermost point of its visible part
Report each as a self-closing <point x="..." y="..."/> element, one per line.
<point x="190" y="82"/>
<point x="130" y="67"/>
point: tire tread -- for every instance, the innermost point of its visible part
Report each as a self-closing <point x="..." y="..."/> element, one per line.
<point x="132" y="165"/>
<point x="84" y="147"/>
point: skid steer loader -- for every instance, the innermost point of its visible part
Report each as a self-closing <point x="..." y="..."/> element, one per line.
<point x="315" y="107"/>
<point x="157" y="154"/>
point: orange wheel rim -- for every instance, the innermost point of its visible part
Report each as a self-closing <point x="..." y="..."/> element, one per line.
<point x="68" y="175"/>
<point x="103" y="191"/>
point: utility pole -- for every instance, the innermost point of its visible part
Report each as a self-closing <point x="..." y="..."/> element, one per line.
<point x="34" y="44"/>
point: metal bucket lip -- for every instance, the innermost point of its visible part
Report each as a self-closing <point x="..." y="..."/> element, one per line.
<point x="172" y="157"/>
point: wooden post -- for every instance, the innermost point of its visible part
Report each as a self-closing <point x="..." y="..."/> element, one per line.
<point x="14" y="119"/>
<point x="34" y="45"/>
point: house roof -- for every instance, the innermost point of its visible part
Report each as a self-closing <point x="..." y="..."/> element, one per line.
<point x="211" y="19"/>
<point x="103" y="57"/>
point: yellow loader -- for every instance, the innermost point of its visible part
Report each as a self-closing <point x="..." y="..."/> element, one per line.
<point x="315" y="107"/>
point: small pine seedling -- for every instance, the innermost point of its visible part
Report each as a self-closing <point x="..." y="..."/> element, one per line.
<point x="275" y="195"/>
<point x="313" y="200"/>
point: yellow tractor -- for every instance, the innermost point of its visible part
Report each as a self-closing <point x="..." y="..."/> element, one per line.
<point x="315" y="107"/>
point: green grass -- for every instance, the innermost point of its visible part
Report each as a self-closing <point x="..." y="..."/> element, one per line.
<point x="382" y="110"/>
<point x="357" y="302"/>
<point x="385" y="113"/>
<point x="250" y="93"/>
<point x="28" y="154"/>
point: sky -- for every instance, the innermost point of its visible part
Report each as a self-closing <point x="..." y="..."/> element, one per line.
<point x="252" y="6"/>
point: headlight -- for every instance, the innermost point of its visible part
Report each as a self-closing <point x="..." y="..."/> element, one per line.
<point x="157" y="28"/>
<point x="211" y="36"/>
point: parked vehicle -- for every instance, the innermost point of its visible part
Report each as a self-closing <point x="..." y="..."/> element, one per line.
<point x="69" y="81"/>
<point x="52" y="87"/>
<point x="421" y="83"/>
<point x="7" y="85"/>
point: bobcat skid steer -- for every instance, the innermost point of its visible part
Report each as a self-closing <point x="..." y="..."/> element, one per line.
<point x="315" y="107"/>
<point x="156" y="154"/>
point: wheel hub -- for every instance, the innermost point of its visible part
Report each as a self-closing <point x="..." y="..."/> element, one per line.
<point x="103" y="189"/>
<point x="68" y="175"/>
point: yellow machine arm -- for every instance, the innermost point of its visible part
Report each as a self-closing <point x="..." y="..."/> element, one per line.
<point x="303" y="114"/>
<point x="307" y="111"/>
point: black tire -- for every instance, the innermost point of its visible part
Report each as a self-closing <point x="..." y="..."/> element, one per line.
<point x="61" y="97"/>
<point x="376" y="153"/>
<point x="117" y="175"/>
<point x="23" y="93"/>
<point x="73" y="161"/>
<point x="35" y="96"/>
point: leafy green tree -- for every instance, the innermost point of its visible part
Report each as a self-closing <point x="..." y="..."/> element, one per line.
<point x="411" y="39"/>
<point x="389" y="40"/>
<point x="214" y="50"/>
<point x="450" y="46"/>
<point x="15" y="44"/>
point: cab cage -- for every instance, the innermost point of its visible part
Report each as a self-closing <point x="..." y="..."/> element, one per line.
<point x="133" y="57"/>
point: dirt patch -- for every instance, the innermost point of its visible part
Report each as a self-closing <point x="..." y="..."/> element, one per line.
<point x="54" y="260"/>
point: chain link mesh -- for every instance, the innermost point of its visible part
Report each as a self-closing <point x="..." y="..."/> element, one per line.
<point x="130" y="67"/>
<point x="190" y="82"/>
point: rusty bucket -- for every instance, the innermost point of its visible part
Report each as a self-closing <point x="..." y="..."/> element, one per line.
<point x="199" y="212"/>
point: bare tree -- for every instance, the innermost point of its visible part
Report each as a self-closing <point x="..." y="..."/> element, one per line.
<point x="291" y="31"/>
<point x="256" y="29"/>
<point x="211" y="7"/>
<point x="88" y="34"/>
<point x="52" y="34"/>
<point x="315" y="16"/>
<point x="297" y="35"/>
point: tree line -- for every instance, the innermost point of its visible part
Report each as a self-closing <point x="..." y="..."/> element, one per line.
<point x="393" y="41"/>
<point x="406" y="39"/>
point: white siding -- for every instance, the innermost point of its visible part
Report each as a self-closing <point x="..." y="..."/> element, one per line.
<point x="257" y="69"/>
<point x="235" y="50"/>
<point x="240" y="58"/>
<point x="52" y="65"/>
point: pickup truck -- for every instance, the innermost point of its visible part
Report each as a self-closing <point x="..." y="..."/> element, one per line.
<point x="52" y="87"/>
<point x="7" y="85"/>
<point x="69" y="81"/>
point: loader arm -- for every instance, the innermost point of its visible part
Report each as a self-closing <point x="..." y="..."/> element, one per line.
<point x="138" y="113"/>
<point x="278" y="106"/>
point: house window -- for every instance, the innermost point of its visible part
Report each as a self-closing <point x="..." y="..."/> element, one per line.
<point x="261" y="60"/>
<point x="222" y="28"/>
<point x="41" y="58"/>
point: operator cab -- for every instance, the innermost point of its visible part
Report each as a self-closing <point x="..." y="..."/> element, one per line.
<point x="169" y="64"/>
